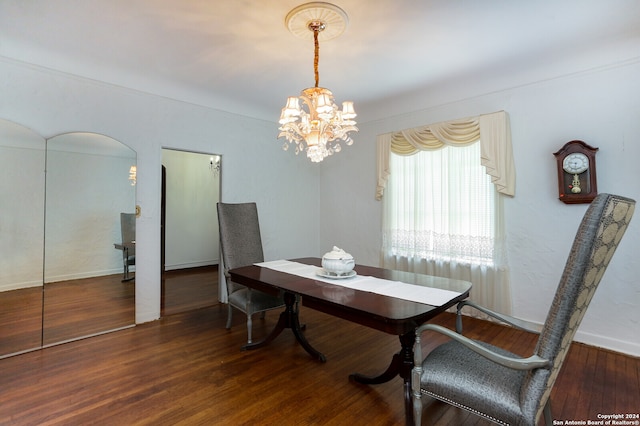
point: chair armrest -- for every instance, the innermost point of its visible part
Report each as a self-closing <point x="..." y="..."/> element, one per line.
<point x="529" y="363"/>
<point x="514" y="322"/>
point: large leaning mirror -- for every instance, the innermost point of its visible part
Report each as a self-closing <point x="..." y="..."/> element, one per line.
<point x="22" y="154"/>
<point x="89" y="285"/>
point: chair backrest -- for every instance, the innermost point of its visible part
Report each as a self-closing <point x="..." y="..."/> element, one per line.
<point x="240" y="241"/>
<point x="597" y="238"/>
<point x="128" y="229"/>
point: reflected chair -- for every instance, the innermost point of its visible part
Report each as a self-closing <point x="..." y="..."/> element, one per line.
<point x="241" y="245"/>
<point x="498" y="385"/>
<point x="128" y="244"/>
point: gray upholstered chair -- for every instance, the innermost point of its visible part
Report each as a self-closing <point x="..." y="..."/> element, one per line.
<point x="241" y="245"/>
<point x="498" y="385"/>
<point x="128" y="245"/>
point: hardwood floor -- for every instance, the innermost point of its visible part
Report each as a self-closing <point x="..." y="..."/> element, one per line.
<point x="83" y="307"/>
<point x="188" y="369"/>
<point x="20" y="319"/>
<point x="71" y="309"/>
<point x="188" y="289"/>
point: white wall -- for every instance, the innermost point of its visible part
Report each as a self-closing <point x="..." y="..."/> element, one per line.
<point x="602" y="108"/>
<point x="22" y="157"/>
<point x="254" y="167"/>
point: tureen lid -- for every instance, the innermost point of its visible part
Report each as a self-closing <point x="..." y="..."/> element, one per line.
<point x="337" y="253"/>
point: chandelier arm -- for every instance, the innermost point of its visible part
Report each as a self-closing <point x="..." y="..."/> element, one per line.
<point x="292" y="130"/>
<point x="312" y="114"/>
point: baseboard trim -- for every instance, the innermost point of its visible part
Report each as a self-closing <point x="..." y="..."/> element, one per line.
<point x="190" y="265"/>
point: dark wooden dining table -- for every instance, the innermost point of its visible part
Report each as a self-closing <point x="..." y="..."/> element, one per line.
<point x="384" y="313"/>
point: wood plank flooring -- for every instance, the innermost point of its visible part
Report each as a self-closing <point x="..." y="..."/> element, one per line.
<point x="188" y="289"/>
<point x="187" y="369"/>
<point x="20" y="319"/>
<point x="78" y="308"/>
<point x="70" y="309"/>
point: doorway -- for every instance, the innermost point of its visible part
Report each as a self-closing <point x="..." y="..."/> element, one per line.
<point x="190" y="250"/>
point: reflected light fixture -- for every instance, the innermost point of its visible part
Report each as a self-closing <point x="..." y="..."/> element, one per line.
<point x="133" y="172"/>
<point x="318" y="126"/>
<point x="214" y="165"/>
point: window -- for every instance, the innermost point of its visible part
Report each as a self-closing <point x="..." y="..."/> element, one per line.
<point x="440" y="205"/>
<point x="443" y="186"/>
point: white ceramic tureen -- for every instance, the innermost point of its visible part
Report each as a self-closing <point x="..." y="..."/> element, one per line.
<point x="338" y="262"/>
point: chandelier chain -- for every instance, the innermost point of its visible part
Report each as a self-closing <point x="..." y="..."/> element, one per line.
<point x="316" y="56"/>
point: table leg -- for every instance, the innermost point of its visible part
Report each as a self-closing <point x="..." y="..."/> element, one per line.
<point x="401" y="365"/>
<point x="288" y="319"/>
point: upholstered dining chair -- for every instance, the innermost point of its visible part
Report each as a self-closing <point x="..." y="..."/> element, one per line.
<point x="128" y="245"/>
<point x="241" y="245"/>
<point x="498" y="385"/>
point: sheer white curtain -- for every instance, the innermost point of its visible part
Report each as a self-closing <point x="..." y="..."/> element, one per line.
<point x="442" y="214"/>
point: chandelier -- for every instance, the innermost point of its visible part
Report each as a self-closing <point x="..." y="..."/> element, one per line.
<point x="133" y="175"/>
<point x="312" y="121"/>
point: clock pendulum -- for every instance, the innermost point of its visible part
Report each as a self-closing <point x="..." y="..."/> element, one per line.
<point x="575" y="185"/>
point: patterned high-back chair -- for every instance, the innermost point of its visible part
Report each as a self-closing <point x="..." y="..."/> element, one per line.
<point x="499" y="385"/>
<point x="241" y="245"/>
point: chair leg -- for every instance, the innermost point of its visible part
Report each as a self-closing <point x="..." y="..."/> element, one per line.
<point x="417" y="409"/>
<point x="125" y="267"/>
<point x="229" y="316"/>
<point x="547" y="413"/>
<point x="249" y="312"/>
<point x="417" y="396"/>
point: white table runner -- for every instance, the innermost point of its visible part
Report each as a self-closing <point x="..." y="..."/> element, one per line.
<point x="397" y="289"/>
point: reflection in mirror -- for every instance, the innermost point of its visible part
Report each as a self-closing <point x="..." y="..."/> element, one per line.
<point x="88" y="186"/>
<point x="21" y="238"/>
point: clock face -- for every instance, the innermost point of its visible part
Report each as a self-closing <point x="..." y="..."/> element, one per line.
<point x="575" y="163"/>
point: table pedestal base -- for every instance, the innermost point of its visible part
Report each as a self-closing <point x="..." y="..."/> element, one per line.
<point x="288" y="319"/>
<point x="401" y="365"/>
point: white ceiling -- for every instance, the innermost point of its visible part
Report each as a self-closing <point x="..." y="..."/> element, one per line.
<point x="238" y="56"/>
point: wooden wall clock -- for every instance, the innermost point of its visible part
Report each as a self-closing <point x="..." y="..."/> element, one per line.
<point x="576" y="162"/>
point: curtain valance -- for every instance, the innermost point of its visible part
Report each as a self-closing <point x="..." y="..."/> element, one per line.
<point x="491" y="129"/>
